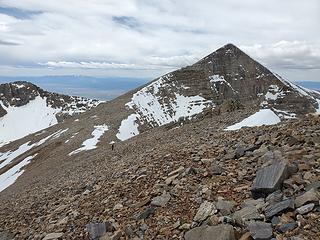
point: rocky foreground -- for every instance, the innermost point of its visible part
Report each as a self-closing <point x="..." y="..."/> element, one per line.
<point x="197" y="183"/>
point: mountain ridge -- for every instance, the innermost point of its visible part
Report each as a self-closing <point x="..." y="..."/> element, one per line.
<point x="134" y="162"/>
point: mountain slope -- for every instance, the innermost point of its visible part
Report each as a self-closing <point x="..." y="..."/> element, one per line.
<point x="26" y="108"/>
<point x="68" y="176"/>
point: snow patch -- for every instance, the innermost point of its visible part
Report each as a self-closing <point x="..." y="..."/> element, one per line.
<point x="274" y="93"/>
<point x="128" y="127"/>
<point x="24" y="120"/>
<point x="91" y="143"/>
<point x="263" y="117"/>
<point x="217" y="79"/>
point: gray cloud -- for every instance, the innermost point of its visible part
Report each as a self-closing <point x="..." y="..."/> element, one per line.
<point x="8" y="43"/>
<point x="151" y="37"/>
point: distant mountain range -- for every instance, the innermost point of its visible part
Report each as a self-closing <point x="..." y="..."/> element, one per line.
<point x="97" y="87"/>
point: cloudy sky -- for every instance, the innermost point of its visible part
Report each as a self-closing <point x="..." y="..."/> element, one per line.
<point x="145" y="38"/>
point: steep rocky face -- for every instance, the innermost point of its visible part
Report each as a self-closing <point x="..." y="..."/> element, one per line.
<point x="224" y="81"/>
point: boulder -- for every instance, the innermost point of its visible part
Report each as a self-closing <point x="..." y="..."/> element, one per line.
<point x="205" y="210"/>
<point x="260" y="230"/>
<point x="219" y="232"/>
<point x="269" y="179"/>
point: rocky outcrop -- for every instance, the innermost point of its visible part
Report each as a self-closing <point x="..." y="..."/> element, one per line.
<point x="20" y="93"/>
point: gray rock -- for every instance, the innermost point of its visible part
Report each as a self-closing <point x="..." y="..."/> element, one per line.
<point x="225" y="207"/>
<point x="96" y="230"/>
<point x="287" y="227"/>
<point x="310" y="196"/>
<point x="253" y="203"/>
<point x="219" y="232"/>
<point x="272" y="156"/>
<point x="274" y="209"/>
<point x="177" y="171"/>
<point x="260" y="230"/>
<point x="52" y="236"/>
<point x="274" y="197"/>
<point x="162" y="200"/>
<point x="314" y="185"/>
<point x="206" y="209"/>
<point x="240" y="151"/>
<point x="215" y="169"/>
<point x="247" y="214"/>
<point x="306" y="208"/>
<point x="146" y="213"/>
<point x="269" y="179"/>
<point x="275" y="220"/>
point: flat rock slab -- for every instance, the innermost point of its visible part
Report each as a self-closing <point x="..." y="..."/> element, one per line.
<point x="306" y="208"/>
<point x="260" y="230"/>
<point x="247" y="214"/>
<point x="310" y="196"/>
<point x="162" y="200"/>
<point x="276" y="208"/>
<point x="219" y="232"/>
<point x="269" y="179"/>
<point x="206" y="209"/>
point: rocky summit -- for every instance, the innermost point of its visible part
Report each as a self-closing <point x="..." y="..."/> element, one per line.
<point x="223" y="149"/>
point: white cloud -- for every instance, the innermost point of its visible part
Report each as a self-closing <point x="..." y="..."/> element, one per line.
<point x="81" y="34"/>
<point x="285" y="54"/>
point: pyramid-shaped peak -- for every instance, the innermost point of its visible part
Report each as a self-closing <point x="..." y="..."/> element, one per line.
<point x="229" y="50"/>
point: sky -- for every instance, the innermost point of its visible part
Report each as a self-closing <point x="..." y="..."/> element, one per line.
<point x="147" y="38"/>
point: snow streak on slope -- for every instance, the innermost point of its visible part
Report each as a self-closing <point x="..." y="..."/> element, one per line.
<point x="8" y="157"/>
<point x="153" y="107"/>
<point x="263" y="117"/>
<point x="27" y="119"/>
<point x="91" y="143"/>
<point x="9" y="177"/>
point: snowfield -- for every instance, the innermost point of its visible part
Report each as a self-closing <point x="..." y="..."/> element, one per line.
<point x="263" y="117"/>
<point x="128" y="127"/>
<point x="91" y="143"/>
<point x="27" y="119"/>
